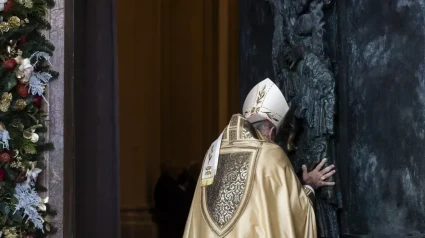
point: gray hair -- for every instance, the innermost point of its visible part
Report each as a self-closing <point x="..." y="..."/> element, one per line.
<point x="263" y="127"/>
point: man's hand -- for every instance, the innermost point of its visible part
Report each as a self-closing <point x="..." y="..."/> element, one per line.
<point x="316" y="178"/>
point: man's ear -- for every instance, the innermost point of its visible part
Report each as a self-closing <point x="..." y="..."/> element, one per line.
<point x="272" y="133"/>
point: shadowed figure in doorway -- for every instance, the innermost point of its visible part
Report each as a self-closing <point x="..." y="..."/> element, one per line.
<point x="172" y="199"/>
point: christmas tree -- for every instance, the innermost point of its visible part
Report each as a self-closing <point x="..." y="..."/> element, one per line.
<point x="24" y="73"/>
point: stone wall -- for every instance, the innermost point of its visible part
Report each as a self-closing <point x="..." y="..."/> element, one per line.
<point x="55" y="165"/>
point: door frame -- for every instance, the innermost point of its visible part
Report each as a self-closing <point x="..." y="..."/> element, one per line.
<point x="91" y="152"/>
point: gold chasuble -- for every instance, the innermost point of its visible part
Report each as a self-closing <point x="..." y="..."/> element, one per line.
<point x="253" y="193"/>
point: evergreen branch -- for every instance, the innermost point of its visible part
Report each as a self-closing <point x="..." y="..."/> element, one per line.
<point x="22" y="114"/>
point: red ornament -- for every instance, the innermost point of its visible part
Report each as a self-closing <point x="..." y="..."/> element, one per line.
<point x="22" y="90"/>
<point x="2" y="174"/>
<point x="8" y="6"/>
<point x="10" y="64"/>
<point x="5" y="156"/>
<point x="36" y="101"/>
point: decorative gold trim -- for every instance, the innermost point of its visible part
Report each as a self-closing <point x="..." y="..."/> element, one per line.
<point x="261" y="95"/>
<point x="310" y="195"/>
<point x="241" y="129"/>
<point x="234" y="121"/>
<point x="225" y="134"/>
<point x="307" y="191"/>
<point x="240" y="207"/>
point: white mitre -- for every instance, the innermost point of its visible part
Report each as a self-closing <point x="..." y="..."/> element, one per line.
<point x="265" y="101"/>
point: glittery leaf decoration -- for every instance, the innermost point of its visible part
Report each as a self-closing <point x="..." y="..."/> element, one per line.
<point x="28" y="201"/>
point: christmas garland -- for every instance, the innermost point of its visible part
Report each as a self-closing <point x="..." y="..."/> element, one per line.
<point x="24" y="74"/>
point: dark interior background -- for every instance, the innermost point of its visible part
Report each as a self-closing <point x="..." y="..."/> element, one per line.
<point x="378" y="54"/>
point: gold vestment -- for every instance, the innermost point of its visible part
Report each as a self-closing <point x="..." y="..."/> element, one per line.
<point x="255" y="192"/>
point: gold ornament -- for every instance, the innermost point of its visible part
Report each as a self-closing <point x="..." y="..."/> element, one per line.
<point x="20" y="104"/>
<point x="16" y="164"/>
<point x="6" y="98"/>
<point x="14" y="22"/>
<point x="10" y="232"/>
<point x="4" y="27"/>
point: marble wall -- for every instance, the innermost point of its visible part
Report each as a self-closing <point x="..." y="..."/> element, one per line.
<point x="55" y="164"/>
